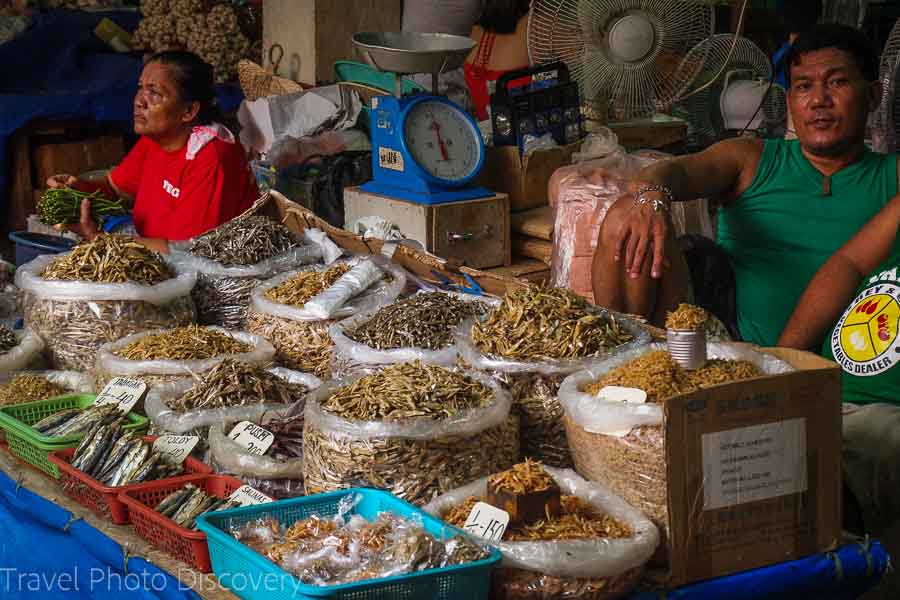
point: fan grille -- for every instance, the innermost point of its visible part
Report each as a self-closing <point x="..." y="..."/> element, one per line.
<point x="576" y="32"/>
<point x="887" y="117"/>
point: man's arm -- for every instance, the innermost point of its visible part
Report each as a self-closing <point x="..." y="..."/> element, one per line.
<point x="833" y="286"/>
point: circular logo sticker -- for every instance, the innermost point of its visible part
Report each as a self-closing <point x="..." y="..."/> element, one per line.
<point x="863" y="341"/>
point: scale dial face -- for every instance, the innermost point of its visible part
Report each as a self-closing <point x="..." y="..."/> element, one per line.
<point x="442" y="140"/>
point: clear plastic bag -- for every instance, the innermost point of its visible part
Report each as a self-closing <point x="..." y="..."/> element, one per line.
<point x="622" y="444"/>
<point x="72" y="381"/>
<point x="166" y="419"/>
<point x="415" y="459"/>
<point x="75" y="318"/>
<point x="28" y="353"/>
<point x="109" y="365"/>
<point x="302" y="341"/>
<point x="571" y="558"/>
<point x="236" y="460"/>
<point x="354" y="358"/>
<point x="222" y="294"/>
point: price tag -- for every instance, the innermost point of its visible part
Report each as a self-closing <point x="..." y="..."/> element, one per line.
<point x="487" y="521"/>
<point x="254" y="438"/>
<point x="175" y="448"/>
<point x="390" y="159"/>
<point x="615" y="393"/>
<point x="248" y="496"/>
<point x="124" y="393"/>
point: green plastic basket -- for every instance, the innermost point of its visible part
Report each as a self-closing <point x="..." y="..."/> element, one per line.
<point x="32" y="447"/>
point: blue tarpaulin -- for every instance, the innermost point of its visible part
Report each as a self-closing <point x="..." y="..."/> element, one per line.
<point x="59" y="69"/>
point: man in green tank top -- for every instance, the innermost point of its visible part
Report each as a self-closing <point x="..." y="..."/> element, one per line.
<point x="784" y="206"/>
<point x="853" y="302"/>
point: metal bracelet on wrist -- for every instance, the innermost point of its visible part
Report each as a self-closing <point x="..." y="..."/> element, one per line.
<point x="657" y="204"/>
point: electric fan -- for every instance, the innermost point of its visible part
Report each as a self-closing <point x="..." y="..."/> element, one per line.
<point x="886" y="122"/>
<point x="740" y="100"/>
<point x="627" y="55"/>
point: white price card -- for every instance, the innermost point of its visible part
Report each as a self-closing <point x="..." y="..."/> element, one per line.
<point x="486" y="521"/>
<point x="251" y="436"/>
<point x="175" y="448"/>
<point x="122" y="392"/>
<point x="627" y="395"/>
<point x="248" y="496"/>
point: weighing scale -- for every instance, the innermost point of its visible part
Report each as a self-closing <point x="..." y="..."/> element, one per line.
<point x="425" y="148"/>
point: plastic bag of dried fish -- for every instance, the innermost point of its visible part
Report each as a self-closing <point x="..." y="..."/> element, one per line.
<point x="283" y="461"/>
<point x="30" y="386"/>
<point x="444" y="428"/>
<point x="420" y="327"/>
<point x="621" y="443"/>
<point x="228" y="392"/>
<point x="299" y="335"/>
<point x="170" y="355"/>
<point x="582" y="568"/>
<point x="233" y="259"/>
<point x="75" y="318"/>
<point x="534" y="339"/>
<point x="19" y="350"/>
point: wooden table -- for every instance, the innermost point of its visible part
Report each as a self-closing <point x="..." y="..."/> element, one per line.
<point x="205" y="585"/>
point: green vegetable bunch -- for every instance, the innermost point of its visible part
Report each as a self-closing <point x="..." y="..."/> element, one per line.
<point x="61" y="206"/>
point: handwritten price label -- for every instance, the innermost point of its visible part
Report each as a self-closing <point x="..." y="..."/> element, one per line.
<point x="175" y="448"/>
<point x="254" y="438"/>
<point x="248" y="496"/>
<point x="124" y="393"/>
<point x="486" y="521"/>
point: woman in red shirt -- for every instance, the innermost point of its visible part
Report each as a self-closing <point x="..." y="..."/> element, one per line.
<point x="187" y="173"/>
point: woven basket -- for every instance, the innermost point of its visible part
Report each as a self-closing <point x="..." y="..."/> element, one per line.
<point x="258" y="82"/>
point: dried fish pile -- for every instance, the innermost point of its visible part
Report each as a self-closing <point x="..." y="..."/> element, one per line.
<point x="288" y="432"/>
<point x="231" y="383"/>
<point x="183" y="506"/>
<point x="524" y="477"/>
<point x="407" y="391"/>
<point x="299" y="345"/>
<point x="191" y="342"/>
<point x="397" y="401"/>
<point x="75" y="420"/>
<point x="115" y="457"/>
<point x="305" y="286"/>
<point x="422" y="321"/>
<point x="346" y="550"/>
<point x="245" y="241"/>
<point x="110" y="259"/>
<point x="662" y="378"/>
<point x="687" y="318"/>
<point x="8" y="339"/>
<point x="28" y="388"/>
<point x="535" y="324"/>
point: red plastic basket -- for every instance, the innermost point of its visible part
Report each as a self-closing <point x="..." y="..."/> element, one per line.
<point x="103" y="499"/>
<point x="184" y="544"/>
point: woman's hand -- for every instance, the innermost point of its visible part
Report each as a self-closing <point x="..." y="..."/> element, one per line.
<point x="86" y="227"/>
<point x="642" y="237"/>
<point x="61" y="180"/>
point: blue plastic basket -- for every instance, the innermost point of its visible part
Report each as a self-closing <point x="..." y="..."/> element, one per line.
<point x="254" y="577"/>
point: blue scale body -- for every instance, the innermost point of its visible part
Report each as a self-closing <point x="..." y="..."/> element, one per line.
<point x="413" y="183"/>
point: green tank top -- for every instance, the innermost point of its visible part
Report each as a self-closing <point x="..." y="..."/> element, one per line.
<point x="784" y="227"/>
<point x="865" y="342"/>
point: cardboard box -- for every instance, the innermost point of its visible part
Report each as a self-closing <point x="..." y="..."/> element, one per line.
<point x="752" y="471"/>
<point x="523" y="179"/>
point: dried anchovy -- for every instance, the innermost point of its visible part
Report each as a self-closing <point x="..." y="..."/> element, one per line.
<point x="547" y="323"/>
<point x="110" y="259"/>
<point x="578" y="520"/>
<point x="28" y="388"/>
<point x="422" y="321"/>
<point x="414" y="470"/>
<point x="245" y="241"/>
<point x="406" y="391"/>
<point x="305" y="286"/>
<point x="535" y="400"/>
<point x="223" y="300"/>
<point x="299" y="345"/>
<point x="8" y="339"/>
<point x="74" y="330"/>
<point x="231" y="383"/>
<point x="524" y="477"/>
<point x="662" y="378"/>
<point x="687" y="318"/>
<point x="183" y="343"/>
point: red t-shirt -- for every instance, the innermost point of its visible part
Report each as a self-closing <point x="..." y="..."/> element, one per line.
<point x="176" y="198"/>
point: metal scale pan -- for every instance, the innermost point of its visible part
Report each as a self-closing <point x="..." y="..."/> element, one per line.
<point x="408" y="53"/>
